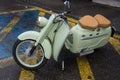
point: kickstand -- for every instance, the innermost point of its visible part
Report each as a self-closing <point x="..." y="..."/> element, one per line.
<point x="63" y="66"/>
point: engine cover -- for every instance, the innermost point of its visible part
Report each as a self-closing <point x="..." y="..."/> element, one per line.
<point x="81" y="39"/>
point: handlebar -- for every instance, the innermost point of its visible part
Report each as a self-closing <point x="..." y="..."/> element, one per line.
<point x="67" y="9"/>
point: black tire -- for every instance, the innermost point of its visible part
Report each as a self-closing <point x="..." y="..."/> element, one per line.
<point x="21" y="62"/>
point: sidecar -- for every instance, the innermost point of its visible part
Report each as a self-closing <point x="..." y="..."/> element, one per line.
<point x="90" y="33"/>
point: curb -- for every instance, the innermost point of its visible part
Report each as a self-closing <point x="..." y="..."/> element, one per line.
<point x="114" y="3"/>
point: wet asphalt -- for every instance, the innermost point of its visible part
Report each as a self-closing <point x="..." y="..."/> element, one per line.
<point x="104" y="62"/>
<point x="81" y="8"/>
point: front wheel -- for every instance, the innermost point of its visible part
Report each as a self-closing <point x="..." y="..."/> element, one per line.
<point x="21" y="54"/>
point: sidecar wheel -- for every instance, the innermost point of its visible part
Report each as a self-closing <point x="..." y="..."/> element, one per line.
<point x="21" y="55"/>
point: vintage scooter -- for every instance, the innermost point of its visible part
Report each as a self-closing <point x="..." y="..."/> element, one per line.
<point x="33" y="49"/>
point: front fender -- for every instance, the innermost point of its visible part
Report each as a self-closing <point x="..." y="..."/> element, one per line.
<point x="28" y="35"/>
<point x="34" y="35"/>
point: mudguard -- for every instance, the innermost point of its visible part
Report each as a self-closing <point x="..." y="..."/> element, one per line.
<point x="34" y="35"/>
<point x="29" y="35"/>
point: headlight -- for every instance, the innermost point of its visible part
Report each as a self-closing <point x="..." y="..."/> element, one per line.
<point x="42" y="21"/>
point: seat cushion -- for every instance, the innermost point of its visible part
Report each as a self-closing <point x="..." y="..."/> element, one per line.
<point x="88" y="22"/>
<point x="103" y="22"/>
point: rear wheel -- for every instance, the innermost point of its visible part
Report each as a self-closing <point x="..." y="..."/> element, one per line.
<point x="21" y="54"/>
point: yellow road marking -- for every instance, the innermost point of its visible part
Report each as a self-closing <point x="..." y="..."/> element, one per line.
<point x="40" y="9"/>
<point x="26" y="74"/>
<point x="71" y="24"/>
<point x="117" y="36"/>
<point x="83" y="64"/>
<point x="35" y="8"/>
<point x="8" y="28"/>
<point x="44" y="10"/>
<point x="72" y="20"/>
<point x="115" y="42"/>
<point x="84" y="69"/>
<point x="14" y="11"/>
<point x="49" y="12"/>
<point x="42" y="13"/>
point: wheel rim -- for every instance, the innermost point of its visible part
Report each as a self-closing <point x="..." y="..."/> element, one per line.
<point x="22" y="52"/>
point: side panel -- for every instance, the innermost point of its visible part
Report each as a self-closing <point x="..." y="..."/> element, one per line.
<point x="59" y="40"/>
<point x="85" y="40"/>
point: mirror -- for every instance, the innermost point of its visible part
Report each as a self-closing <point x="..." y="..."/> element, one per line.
<point x="67" y="5"/>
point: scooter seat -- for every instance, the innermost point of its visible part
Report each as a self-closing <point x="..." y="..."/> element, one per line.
<point x="88" y="22"/>
<point x="103" y="22"/>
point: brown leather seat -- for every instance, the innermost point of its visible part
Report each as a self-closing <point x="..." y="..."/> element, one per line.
<point x="88" y="22"/>
<point x="103" y="22"/>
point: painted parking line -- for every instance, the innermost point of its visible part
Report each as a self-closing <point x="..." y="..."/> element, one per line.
<point x="5" y="19"/>
<point x="115" y="42"/>
<point x="14" y="28"/>
<point x="25" y="23"/>
<point x="8" y="28"/>
<point x="42" y="13"/>
<point x="82" y="62"/>
<point x="27" y="74"/>
<point x="5" y="31"/>
<point x="16" y="11"/>
<point x="84" y="69"/>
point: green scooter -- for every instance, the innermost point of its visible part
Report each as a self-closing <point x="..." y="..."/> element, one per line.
<point x="33" y="49"/>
